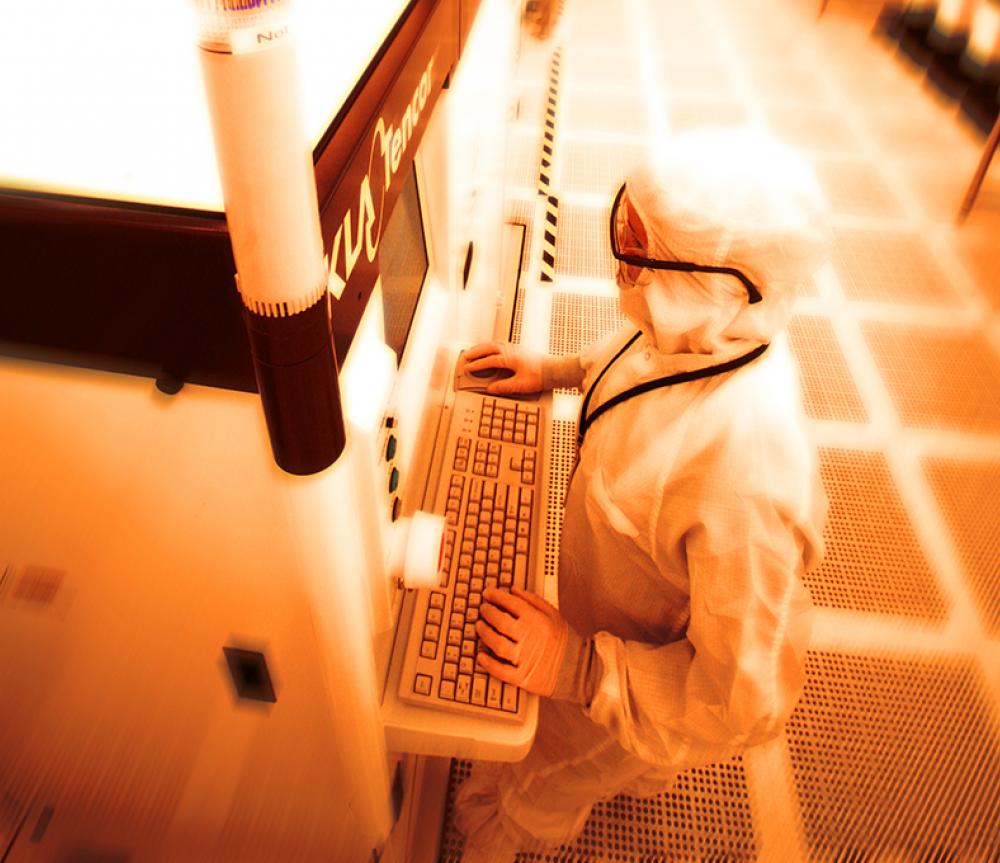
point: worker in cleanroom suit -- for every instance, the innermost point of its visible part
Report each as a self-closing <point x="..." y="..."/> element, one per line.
<point x="693" y="511"/>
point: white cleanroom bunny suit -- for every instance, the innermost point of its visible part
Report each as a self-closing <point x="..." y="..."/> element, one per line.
<point x="695" y="507"/>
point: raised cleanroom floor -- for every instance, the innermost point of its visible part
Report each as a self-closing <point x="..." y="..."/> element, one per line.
<point x="892" y="754"/>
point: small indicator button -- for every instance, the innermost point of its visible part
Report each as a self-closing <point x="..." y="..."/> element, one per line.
<point x="390" y="448"/>
<point x="393" y="481"/>
<point x="397" y="505"/>
<point x="390" y="422"/>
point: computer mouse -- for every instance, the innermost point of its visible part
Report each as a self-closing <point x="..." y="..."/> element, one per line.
<point x="494" y="372"/>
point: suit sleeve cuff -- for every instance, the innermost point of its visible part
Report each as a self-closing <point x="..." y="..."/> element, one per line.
<point x="579" y="671"/>
<point x="561" y="372"/>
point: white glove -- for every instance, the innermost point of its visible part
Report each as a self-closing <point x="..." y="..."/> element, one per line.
<point x="526" y="365"/>
<point x="527" y="634"/>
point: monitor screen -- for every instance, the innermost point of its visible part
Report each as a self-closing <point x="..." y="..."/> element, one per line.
<point x="402" y="262"/>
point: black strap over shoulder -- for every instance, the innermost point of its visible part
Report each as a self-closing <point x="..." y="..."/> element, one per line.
<point x="586" y="420"/>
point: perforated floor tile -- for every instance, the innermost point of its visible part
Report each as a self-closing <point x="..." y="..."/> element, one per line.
<point x="589" y="68"/>
<point x="583" y="247"/>
<point x="969" y="495"/>
<point x="896" y="759"/>
<point x="856" y="189"/>
<point x="783" y="82"/>
<point x="562" y="458"/>
<point x="828" y="390"/>
<point x="604" y="111"/>
<point x="598" y="167"/>
<point x="924" y="132"/>
<point x="938" y="189"/>
<point x="890" y="267"/>
<point x="873" y="561"/>
<point x="977" y="250"/>
<point x="681" y="76"/>
<point x="706" y="817"/>
<point x="938" y="378"/>
<point x="693" y="112"/>
<point x="578" y="321"/>
<point x="811" y="128"/>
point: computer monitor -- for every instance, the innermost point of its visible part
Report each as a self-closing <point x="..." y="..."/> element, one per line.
<point x="402" y="261"/>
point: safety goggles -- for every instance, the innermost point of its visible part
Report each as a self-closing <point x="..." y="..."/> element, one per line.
<point x="619" y="224"/>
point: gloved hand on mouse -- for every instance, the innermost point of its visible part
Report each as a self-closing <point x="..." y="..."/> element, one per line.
<point x="526" y="366"/>
<point x="527" y="635"/>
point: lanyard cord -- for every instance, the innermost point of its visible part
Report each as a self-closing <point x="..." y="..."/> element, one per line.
<point x="679" y="378"/>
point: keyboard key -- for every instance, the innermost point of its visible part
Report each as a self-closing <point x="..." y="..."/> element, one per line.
<point x="434" y="615"/>
<point x="455" y="637"/>
<point x="432" y="632"/>
<point x="456" y="620"/>
<point x="509" y="698"/>
<point x="428" y="649"/>
<point x="449" y="671"/>
<point x="451" y="653"/>
<point x="468" y="647"/>
<point x="469" y="632"/>
<point x="463" y="689"/>
<point x="466" y="665"/>
<point x="521" y="570"/>
<point x="494" y="692"/>
<point x="422" y="685"/>
<point x="447" y="690"/>
<point x="478" y="689"/>
<point x="437" y="600"/>
<point x="522" y="545"/>
<point x="458" y="605"/>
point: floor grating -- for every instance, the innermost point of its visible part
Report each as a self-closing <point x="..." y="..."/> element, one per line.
<point x="873" y="560"/>
<point x="969" y="496"/>
<point x="828" y="390"/>
<point x="938" y="378"/>
<point x="582" y="245"/>
<point x="890" y="267"/>
<point x="578" y="321"/>
<point x="896" y="759"/>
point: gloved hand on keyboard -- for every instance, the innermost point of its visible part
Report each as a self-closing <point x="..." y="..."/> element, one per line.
<point x="526" y="366"/>
<point x="527" y="635"/>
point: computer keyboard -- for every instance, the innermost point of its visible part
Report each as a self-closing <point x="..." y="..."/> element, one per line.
<point x="491" y="495"/>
